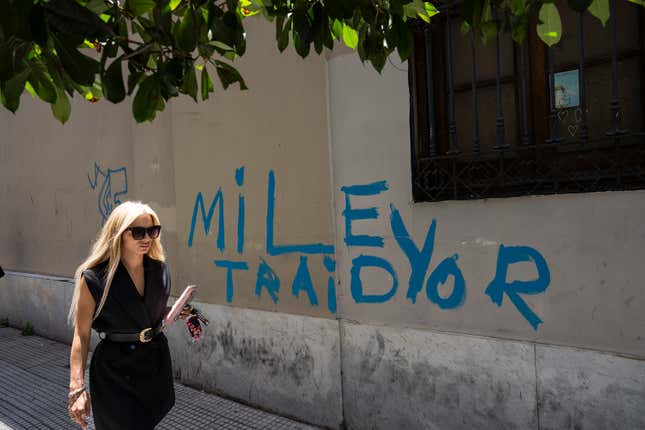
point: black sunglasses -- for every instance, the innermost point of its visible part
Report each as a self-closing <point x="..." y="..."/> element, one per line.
<point x="139" y="233"/>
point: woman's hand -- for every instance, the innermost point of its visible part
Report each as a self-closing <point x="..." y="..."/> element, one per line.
<point x="79" y="409"/>
<point x="185" y="312"/>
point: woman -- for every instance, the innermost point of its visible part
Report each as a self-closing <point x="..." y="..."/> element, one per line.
<point x="121" y="291"/>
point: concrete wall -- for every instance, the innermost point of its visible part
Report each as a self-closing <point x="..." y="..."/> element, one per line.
<point x="408" y="355"/>
<point x="285" y="363"/>
<point x="418" y="379"/>
<point x="50" y="190"/>
<point x="39" y="300"/>
<point x="579" y="252"/>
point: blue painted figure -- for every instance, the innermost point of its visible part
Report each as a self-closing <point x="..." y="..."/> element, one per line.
<point x="113" y="184"/>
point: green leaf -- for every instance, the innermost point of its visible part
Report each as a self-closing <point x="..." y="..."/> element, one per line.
<point x="163" y="20"/>
<point x="97" y="6"/>
<point x="600" y="9"/>
<point x="12" y="90"/>
<point x="171" y="76"/>
<point x="95" y="92"/>
<point x="350" y="37"/>
<point x="283" y="35"/>
<point x="80" y="68"/>
<point x="173" y="4"/>
<point x="550" y="27"/>
<point x="229" y="75"/>
<point x="186" y="31"/>
<point x="147" y="99"/>
<point x="190" y="82"/>
<point x="419" y="8"/>
<point x="220" y="45"/>
<point x="207" y="84"/>
<point x="400" y="37"/>
<point x="43" y="86"/>
<point x="70" y="18"/>
<point x="61" y="109"/>
<point x="230" y="55"/>
<point x="337" y="29"/>
<point x="139" y="7"/>
<point x="30" y="89"/>
<point x="248" y="8"/>
<point x="378" y="60"/>
<point x="302" y="47"/>
<point x="430" y="9"/>
<point x="113" y="86"/>
<point x="640" y="2"/>
<point x="133" y="80"/>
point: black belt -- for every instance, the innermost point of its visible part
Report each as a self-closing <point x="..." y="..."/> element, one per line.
<point x="144" y="336"/>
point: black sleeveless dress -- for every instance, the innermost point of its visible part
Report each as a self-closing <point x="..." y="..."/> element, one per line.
<point x="131" y="384"/>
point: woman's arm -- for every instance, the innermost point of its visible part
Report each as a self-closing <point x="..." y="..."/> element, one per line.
<point x="79" y="407"/>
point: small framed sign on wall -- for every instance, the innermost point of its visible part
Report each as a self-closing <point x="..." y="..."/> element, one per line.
<point x="566" y="86"/>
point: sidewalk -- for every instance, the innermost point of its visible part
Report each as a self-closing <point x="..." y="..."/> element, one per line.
<point x="34" y="375"/>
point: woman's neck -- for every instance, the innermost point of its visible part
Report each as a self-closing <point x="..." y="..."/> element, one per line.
<point x="132" y="262"/>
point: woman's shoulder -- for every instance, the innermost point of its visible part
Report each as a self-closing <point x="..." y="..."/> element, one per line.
<point x="95" y="277"/>
<point x="97" y="271"/>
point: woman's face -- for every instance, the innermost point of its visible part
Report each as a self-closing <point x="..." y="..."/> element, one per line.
<point x="133" y="246"/>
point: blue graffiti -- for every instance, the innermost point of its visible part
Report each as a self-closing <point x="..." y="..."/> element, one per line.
<point x="271" y="247"/>
<point x="357" y="284"/>
<point x="448" y="267"/>
<point x="330" y="265"/>
<point x="267" y="278"/>
<point x="302" y="282"/>
<point x="499" y="286"/>
<point x="419" y="257"/>
<point x="419" y="260"/>
<point x="113" y="184"/>
<point x="239" y="180"/>
<point x="207" y="217"/>
<point x="352" y="214"/>
<point x="230" y="266"/>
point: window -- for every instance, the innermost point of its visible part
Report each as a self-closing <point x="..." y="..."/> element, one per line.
<point x="485" y="122"/>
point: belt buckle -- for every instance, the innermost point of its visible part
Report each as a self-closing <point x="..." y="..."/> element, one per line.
<point x="143" y="335"/>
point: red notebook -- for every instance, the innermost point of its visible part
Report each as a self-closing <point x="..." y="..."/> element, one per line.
<point x="184" y="299"/>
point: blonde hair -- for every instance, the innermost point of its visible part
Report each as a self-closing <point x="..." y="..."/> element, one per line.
<point x="108" y="247"/>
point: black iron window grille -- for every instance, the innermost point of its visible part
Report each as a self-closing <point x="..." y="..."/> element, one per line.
<point x="499" y="119"/>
